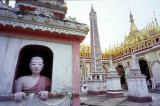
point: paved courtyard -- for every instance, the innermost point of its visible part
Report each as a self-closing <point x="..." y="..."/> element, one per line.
<point x="101" y="100"/>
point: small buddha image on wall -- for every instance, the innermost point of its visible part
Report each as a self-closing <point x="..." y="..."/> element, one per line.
<point x="128" y="64"/>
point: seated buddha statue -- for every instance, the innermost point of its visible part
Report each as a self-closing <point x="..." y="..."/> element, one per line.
<point x="34" y="83"/>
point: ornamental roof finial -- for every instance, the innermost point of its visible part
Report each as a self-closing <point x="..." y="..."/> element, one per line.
<point x="92" y="9"/>
<point x="133" y="26"/>
<point x="157" y="25"/>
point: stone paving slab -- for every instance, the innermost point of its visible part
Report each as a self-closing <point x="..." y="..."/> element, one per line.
<point x="92" y="100"/>
<point x="99" y="100"/>
<point x="155" y="98"/>
<point x="102" y="100"/>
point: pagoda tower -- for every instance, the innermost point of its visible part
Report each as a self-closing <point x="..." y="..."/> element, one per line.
<point x="96" y="60"/>
<point x="113" y="82"/>
<point x="137" y="87"/>
<point x="95" y="85"/>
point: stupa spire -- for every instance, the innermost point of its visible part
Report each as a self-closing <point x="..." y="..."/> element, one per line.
<point x="96" y="64"/>
<point x="135" y="65"/>
<point x="133" y="26"/>
<point x="113" y="81"/>
<point x="157" y="25"/>
<point x="111" y="66"/>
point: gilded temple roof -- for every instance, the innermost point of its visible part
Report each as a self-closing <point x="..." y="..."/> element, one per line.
<point x="135" y="41"/>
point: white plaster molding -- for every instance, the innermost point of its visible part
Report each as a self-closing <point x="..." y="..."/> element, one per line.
<point x="40" y="27"/>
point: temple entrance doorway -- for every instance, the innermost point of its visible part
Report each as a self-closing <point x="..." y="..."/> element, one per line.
<point x="145" y="70"/>
<point x="121" y="73"/>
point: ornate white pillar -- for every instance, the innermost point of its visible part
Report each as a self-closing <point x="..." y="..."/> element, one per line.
<point x="97" y="83"/>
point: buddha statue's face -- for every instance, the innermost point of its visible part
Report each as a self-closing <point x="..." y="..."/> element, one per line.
<point x="36" y="65"/>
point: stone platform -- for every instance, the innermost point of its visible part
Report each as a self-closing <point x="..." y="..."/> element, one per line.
<point x="103" y="100"/>
<point x="115" y="95"/>
<point x="97" y="92"/>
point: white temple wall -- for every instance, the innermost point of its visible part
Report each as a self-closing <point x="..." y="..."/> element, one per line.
<point x="62" y="71"/>
<point x="8" y="56"/>
<point x="156" y="71"/>
<point x="151" y="56"/>
<point x="123" y="62"/>
<point x="158" y="54"/>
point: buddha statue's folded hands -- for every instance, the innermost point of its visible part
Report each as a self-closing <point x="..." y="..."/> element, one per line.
<point x="43" y="95"/>
<point x="18" y="96"/>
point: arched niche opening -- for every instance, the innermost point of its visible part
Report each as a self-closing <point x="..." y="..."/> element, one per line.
<point x="25" y="55"/>
<point x="121" y="72"/>
<point x="144" y="69"/>
<point x="157" y="40"/>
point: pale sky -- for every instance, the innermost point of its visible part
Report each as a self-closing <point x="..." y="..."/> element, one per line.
<point x="113" y="17"/>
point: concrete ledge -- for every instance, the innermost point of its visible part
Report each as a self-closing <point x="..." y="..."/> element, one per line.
<point x="115" y="95"/>
<point x="97" y="92"/>
<point x="139" y="99"/>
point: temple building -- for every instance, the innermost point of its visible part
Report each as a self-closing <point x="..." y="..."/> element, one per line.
<point x="144" y="43"/>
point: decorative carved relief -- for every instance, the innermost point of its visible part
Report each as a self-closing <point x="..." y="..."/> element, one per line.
<point x="55" y="2"/>
<point x="41" y="10"/>
<point x="43" y="28"/>
<point x="55" y="99"/>
<point x="145" y="57"/>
